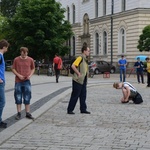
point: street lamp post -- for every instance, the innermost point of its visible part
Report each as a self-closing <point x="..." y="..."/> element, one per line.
<point x="112" y="12"/>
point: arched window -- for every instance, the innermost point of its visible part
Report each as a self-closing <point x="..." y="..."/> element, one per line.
<point x="104" y="7"/>
<point x="122" y="41"/>
<point x="68" y="14"/>
<point x="104" y="42"/>
<point x="123" y="5"/>
<point x="96" y="8"/>
<point x="97" y="44"/>
<point x="74" y="13"/>
<point x="73" y="45"/>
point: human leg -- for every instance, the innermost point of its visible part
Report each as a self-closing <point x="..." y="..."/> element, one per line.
<point x="124" y="75"/>
<point x="76" y="90"/>
<point x="142" y="76"/>
<point x="148" y="79"/>
<point x="18" y="99"/>
<point x="27" y="98"/>
<point x="120" y="75"/>
<point x="83" y="106"/>
<point x="2" y="104"/>
<point x="138" y="76"/>
<point x="124" y="92"/>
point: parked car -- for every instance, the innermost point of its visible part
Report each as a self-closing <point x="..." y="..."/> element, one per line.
<point x="101" y="67"/>
<point x="8" y="64"/>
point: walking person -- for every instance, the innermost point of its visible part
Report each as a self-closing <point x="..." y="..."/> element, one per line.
<point x="139" y="70"/>
<point x="57" y="66"/>
<point x="79" y="82"/>
<point x="148" y="71"/>
<point x="23" y="67"/>
<point x="3" y="48"/>
<point x="122" y="66"/>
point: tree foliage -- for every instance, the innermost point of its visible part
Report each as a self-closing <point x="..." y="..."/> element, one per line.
<point x="144" y="40"/>
<point x="40" y="26"/>
<point x="8" y="7"/>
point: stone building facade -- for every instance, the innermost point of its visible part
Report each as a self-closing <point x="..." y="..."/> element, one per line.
<point x="110" y="27"/>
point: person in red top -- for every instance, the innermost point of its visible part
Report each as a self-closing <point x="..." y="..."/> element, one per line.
<point x="57" y="65"/>
<point x="23" y="67"/>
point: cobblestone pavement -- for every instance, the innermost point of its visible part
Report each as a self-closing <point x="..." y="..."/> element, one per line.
<point x="110" y="126"/>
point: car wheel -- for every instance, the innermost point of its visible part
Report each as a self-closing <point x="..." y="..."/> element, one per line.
<point x="112" y="70"/>
<point x="96" y="71"/>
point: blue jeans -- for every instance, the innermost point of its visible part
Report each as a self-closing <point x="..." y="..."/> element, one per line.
<point x="22" y="90"/>
<point x="2" y="99"/>
<point x="122" y="73"/>
<point x="78" y="91"/>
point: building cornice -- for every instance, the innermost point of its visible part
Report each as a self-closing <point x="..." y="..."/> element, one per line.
<point x="121" y="14"/>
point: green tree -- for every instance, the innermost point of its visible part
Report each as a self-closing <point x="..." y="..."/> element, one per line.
<point x="144" y="40"/>
<point x="40" y="26"/>
<point x="8" y="7"/>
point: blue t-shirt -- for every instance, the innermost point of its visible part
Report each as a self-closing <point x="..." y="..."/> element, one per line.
<point x="2" y="67"/>
<point x="122" y="63"/>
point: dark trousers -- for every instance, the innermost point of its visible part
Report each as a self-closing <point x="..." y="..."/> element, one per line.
<point x="78" y="91"/>
<point x="57" y="74"/>
<point x="148" y="78"/>
<point x="140" y="73"/>
<point x="122" y="75"/>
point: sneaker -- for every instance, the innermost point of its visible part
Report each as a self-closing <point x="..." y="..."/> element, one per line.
<point x="3" y="125"/>
<point x="29" y="116"/>
<point x="18" y="116"/>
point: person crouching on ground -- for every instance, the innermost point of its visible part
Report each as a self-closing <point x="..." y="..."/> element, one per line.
<point x="129" y="92"/>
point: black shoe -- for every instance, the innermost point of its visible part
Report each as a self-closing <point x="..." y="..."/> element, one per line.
<point x="70" y="112"/>
<point x="18" y="116"/>
<point x="148" y="85"/>
<point x="85" y="112"/>
<point x="3" y="125"/>
<point x="29" y="116"/>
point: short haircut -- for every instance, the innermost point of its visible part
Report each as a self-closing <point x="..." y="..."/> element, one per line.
<point x="84" y="48"/>
<point x="24" y="49"/>
<point x="3" y="43"/>
<point x="116" y="85"/>
<point x="147" y="58"/>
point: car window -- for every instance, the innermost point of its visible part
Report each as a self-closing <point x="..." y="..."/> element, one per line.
<point x="105" y="63"/>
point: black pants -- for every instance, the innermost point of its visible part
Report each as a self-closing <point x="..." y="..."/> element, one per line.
<point x="140" y="73"/>
<point x="57" y="74"/>
<point x="78" y="91"/>
<point x="148" y="79"/>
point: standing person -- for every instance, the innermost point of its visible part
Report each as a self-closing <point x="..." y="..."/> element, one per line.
<point x="23" y="67"/>
<point x="129" y="92"/>
<point x="57" y="65"/>
<point x="3" y="48"/>
<point x="148" y="71"/>
<point x="122" y="66"/>
<point x="139" y="70"/>
<point x="79" y="82"/>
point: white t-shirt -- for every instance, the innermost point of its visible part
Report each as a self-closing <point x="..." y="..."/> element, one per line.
<point x="131" y="87"/>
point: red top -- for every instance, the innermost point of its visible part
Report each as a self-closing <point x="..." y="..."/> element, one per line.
<point x="23" y="66"/>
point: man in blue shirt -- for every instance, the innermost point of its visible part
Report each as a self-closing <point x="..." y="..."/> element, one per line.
<point x="122" y="66"/>
<point x="3" y="48"/>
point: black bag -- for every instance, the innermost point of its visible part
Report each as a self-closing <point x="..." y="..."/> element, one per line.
<point x="137" y="99"/>
<point x="72" y="60"/>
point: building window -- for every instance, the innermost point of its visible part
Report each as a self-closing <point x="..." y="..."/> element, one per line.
<point x="96" y="8"/>
<point x="74" y="48"/>
<point x="104" y="43"/>
<point x="68" y="14"/>
<point x="74" y="13"/>
<point x="104" y="7"/>
<point x="96" y="43"/>
<point x="123" y="5"/>
<point x="122" y="41"/>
